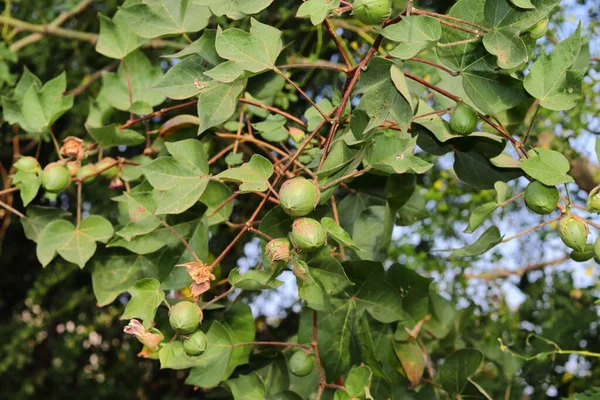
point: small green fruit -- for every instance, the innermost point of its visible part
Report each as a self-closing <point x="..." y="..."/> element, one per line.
<point x="298" y="196"/>
<point x="308" y="234"/>
<point x="573" y="232"/>
<point x="541" y="199"/>
<point x="87" y="170"/>
<point x="27" y="164"/>
<point x="593" y="202"/>
<point x="463" y="120"/>
<point x="301" y="364"/>
<point x="73" y="167"/>
<point x="195" y="344"/>
<point x="185" y="317"/>
<point x="55" y="177"/>
<point x="539" y="29"/>
<point x="581" y="256"/>
<point x="278" y="252"/>
<point x="596" y="249"/>
<point x="372" y="12"/>
<point x="110" y="173"/>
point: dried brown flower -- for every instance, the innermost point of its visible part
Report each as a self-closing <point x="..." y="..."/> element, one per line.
<point x="201" y="274"/>
<point x="72" y="147"/>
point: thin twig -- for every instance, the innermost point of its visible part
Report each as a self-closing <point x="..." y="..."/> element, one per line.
<point x="341" y="48"/>
<point x="217" y="298"/>
<point x="307" y="97"/>
<point x="504" y="273"/>
<point x="12" y="210"/>
<point x="91" y="79"/>
<point x="275" y="110"/>
<point x="181" y="239"/>
<point x="526" y="231"/>
<point x="353" y="174"/>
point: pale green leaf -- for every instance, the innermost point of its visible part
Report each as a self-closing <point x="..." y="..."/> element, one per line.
<point x="185" y="79"/>
<point x="507" y="46"/>
<point x="154" y="18"/>
<point x="488" y="239"/>
<point x="338" y="233"/>
<point x="317" y="10"/>
<point x="116" y="38"/>
<point x="38" y="218"/>
<point x="214" y="195"/>
<point x="393" y="155"/>
<point x="204" y="47"/>
<point x="28" y="183"/>
<point x="108" y="136"/>
<point x="273" y="128"/>
<point x="210" y="368"/>
<point x="522" y="3"/>
<point x="552" y="78"/>
<point x="547" y="166"/>
<point x="479" y="215"/>
<point x="217" y="102"/>
<point x="235" y="9"/>
<point x="253" y="176"/>
<point x="142" y="75"/>
<point x="476" y="170"/>
<point x="247" y="387"/>
<point x="253" y="280"/>
<point x="146" y="296"/>
<point x="358" y="381"/>
<point x="413" y="34"/>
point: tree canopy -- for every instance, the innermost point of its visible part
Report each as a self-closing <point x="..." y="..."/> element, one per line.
<point x="285" y="199"/>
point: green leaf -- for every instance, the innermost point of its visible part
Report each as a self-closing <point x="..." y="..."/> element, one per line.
<point x="38" y="218"/>
<point x="372" y="292"/>
<point x="367" y="233"/>
<point x="108" y="136"/>
<point x="116" y="38"/>
<point x="210" y="368"/>
<point x="358" y="381"/>
<point x="364" y="340"/>
<point x="142" y="75"/>
<point x="253" y="280"/>
<point x="214" y="195"/>
<point x="502" y="191"/>
<point x="234" y="159"/>
<point x="76" y="245"/>
<point x="113" y="275"/>
<point x="185" y="79"/>
<point x="458" y="368"/>
<point x="254" y="52"/>
<point x="338" y="157"/>
<point x="181" y="179"/>
<point x="28" y="183"/>
<point x="553" y="79"/>
<point x="241" y="326"/>
<point x="522" y="3"/>
<point x="250" y="387"/>
<point x="476" y="170"/>
<point x="507" y="46"/>
<point x="317" y="10"/>
<point x="311" y="289"/>
<point x="488" y="239"/>
<point x="272" y="129"/>
<point x="313" y="117"/>
<point x="479" y="215"/>
<point x="154" y="18"/>
<point x="400" y="82"/>
<point x="217" y="102"/>
<point x="235" y="9"/>
<point x="338" y="233"/>
<point x="547" y="166"/>
<point x="146" y="296"/>
<point x="412" y="359"/>
<point x="253" y="175"/>
<point x="35" y="107"/>
<point x="141" y="207"/>
<point x="393" y="155"/>
<point x="381" y="99"/>
<point x="204" y="47"/>
<point x="413" y="33"/>
<point x="173" y="356"/>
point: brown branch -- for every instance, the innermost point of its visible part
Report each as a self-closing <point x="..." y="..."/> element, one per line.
<point x="436" y="65"/>
<point x="433" y="14"/>
<point x="320" y="65"/>
<point x="433" y="87"/>
<point x="526" y="231"/>
<point x="157" y="113"/>
<point x="275" y="110"/>
<point x="315" y="345"/>
<point x="220" y="154"/>
<point x="299" y="90"/>
<point x="282" y="344"/>
<point x="504" y="272"/>
<point x="338" y="43"/>
<point x="12" y="210"/>
<point x="217" y="298"/>
<point x="61" y="19"/>
<point x="353" y="174"/>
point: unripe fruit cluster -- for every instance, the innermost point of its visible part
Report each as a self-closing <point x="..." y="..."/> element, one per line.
<point x="371" y="12"/>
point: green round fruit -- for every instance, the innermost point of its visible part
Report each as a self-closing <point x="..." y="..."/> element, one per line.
<point x="73" y="167"/>
<point x="541" y="199"/>
<point x="573" y="232"/>
<point x="463" y="120"/>
<point x="109" y="173"/>
<point x="195" y="344"/>
<point x="593" y="202"/>
<point x="301" y="364"/>
<point x="372" y="12"/>
<point x="278" y="252"/>
<point x="539" y="29"/>
<point x="298" y="196"/>
<point x="596" y="248"/>
<point x="55" y="177"/>
<point x="185" y="317"/>
<point x="581" y="256"/>
<point x="87" y="170"/>
<point x="308" y="234"/>
<point x="27" y="164"/>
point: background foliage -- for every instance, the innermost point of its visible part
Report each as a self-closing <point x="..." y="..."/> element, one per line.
<point x="407" y="205"/>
